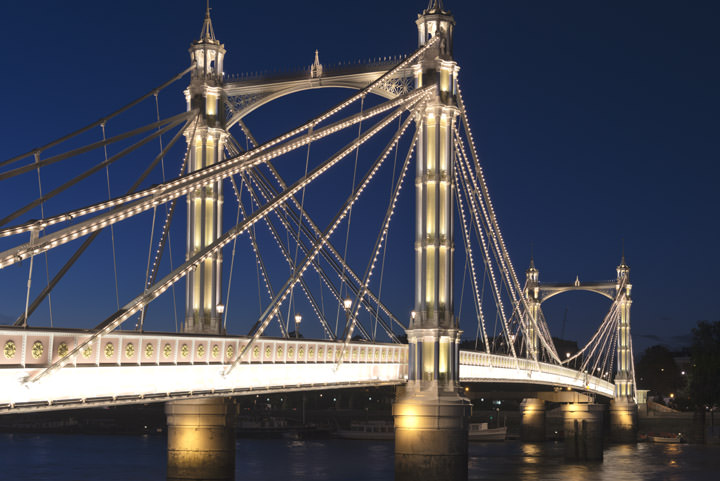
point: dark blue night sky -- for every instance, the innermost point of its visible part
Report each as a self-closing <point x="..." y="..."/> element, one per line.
<point x="595" y="122"/>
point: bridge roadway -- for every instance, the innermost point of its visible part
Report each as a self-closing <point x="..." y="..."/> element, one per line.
<point x="130" y="367"/>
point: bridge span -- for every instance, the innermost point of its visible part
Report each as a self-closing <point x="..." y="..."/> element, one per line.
<point x="131" y="367"/>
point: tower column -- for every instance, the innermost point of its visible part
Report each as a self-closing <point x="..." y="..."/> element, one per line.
<point x="430" y="415"/>
<point x="201" y="435"/>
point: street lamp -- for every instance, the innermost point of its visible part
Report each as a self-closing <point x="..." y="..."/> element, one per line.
<point x="298" y="320"/>
<point x="347" y="304"/>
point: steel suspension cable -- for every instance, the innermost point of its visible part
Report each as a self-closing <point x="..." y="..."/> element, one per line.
<point x="173" y="189"/>
<point x="349" y="217"/>
<point x="329" y="246"/>
<point x="158" y="288"/>
<point x="274" y="307"/>
<point x="177" y="121"/>
<point x="285" y="215"/>
<point x="112" y="228"/>
<point x="76" y="255"/>
<point x="103" y="120"/>
<point x="382" y="235"/>
<point x="480" y="315"/>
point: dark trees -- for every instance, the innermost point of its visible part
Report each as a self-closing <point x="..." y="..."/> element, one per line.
<point x="705" y="369"/>
<point x="656" y="370"/>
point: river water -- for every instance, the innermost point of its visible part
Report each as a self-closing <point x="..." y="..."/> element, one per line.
<point x="142" y="458"/>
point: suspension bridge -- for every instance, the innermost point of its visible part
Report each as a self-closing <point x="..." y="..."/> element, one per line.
<point x="278" y="199"/>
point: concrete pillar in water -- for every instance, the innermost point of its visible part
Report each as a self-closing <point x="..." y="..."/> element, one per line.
<point x="201" y="439"/>
<point x="623" y="421"/>
<point x="583" y="425"/>
<point x="532" y="425"/>
<point x="431" y="438"/>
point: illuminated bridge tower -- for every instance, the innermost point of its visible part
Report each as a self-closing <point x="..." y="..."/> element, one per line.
<point x="623" y="409"/>
<point x="201" y="438"/>
<point x="430" y="415"/>
<point x="532" y="294"/>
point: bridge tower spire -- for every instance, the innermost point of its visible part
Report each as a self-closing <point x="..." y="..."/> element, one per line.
<point x="430" y="415"/>
<point x="204" y="212"/>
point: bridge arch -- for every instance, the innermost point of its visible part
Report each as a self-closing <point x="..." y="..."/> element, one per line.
<point x="275" y="90"/>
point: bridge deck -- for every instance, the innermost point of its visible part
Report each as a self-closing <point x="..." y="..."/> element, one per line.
<point x="130" y="367"/>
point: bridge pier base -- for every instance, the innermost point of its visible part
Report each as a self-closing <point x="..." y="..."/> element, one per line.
<point x="431" y="437"/>
<point x="201" y="439"/>
<point x="532" y="425"/>
<point x="583" y="424"/>
<point x="623" y="422"/>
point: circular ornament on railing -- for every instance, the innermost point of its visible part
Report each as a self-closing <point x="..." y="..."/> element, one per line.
<point x="229" y="352"/>
<point x="256" y="352"/>
<point x="184" y="350"/>
<point x="87" y="352"/>
<point x="280" y="351"/>
<point x="215" y="351"/>
<point x="268" y="352"/>
<point x="10" y="349"/>
<point x="37" y="349"/>
<point x="320" y="353"/>
<point x="201" y="351"/>
<point x="109" y="349"/>
<point x="149" y="349"/>
<point x="167" y="350"/>
<point x="354" y="355"/>
<point x="291" y="351"/>
<point x="129" y="350"/>
<point x="362" y="355"/>
<point x="301" y="353"/>
<point x="311" y="352"/>
<point x="63" y="349"/>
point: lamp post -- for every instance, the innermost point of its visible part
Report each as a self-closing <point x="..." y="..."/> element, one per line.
<point x="347" y="304"/>
<point x="298" y="320"/>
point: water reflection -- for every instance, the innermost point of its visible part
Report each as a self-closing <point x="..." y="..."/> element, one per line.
<point x="115" y="458"/>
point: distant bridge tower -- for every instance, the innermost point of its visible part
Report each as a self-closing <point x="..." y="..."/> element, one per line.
<point x="430" y="416"/>
<point x="623" y="409"/>
<point x="206" y="142"/>
<point x="624" y="390"/>
<point x="201" y="436"/>
<point x="532" y="294"/>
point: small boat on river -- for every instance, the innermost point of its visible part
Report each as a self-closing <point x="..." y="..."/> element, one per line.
<point x="666" y="438"/>
<point x="481" y="432"/>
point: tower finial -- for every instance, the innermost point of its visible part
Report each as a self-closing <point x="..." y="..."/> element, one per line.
<point x="435" y="5"/>
<point x="207" y="34"/>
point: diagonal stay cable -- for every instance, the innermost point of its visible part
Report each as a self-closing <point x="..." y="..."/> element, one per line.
<point x="333" y="262"/>
<point x="382" y="235"/>
<point x="177" y="121"/>
<point x="99" y="122"/>
<point x="274" y="307"/>
<point x="286" y="255"/>
<point x="76" y="255"/>
<point x="181" y="271"/>
<point x="164" y="193"/>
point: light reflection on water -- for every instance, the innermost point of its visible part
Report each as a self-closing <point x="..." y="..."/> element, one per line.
<point x="79" y="457"/>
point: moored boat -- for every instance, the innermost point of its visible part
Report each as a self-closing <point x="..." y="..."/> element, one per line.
<point x="481" y="432"/>
<point x="666" y="438"/>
